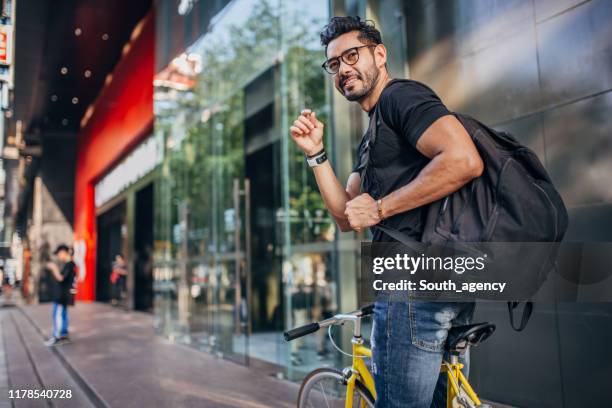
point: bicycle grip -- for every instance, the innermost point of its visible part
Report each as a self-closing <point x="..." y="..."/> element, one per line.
<point x="301" y="331"/>
<point x="367" y="310"/>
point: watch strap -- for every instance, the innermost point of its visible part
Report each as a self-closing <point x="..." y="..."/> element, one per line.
<point x="317" y="160"/>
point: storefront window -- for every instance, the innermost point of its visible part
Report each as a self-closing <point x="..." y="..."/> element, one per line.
<point x="244" y="246"/>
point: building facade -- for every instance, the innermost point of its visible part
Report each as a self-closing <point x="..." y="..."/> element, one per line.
<point x="241" y="245"/>
<point x="113" y="171"/>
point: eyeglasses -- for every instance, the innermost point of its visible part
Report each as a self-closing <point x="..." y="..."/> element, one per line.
<point x="349" y="57"/>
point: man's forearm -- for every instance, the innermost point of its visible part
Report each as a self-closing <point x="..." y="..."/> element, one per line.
<point x="441" y="177"/>
<point x="333" y="193"/>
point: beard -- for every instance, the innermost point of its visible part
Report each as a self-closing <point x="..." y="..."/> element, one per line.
<point x="368" y="80"/>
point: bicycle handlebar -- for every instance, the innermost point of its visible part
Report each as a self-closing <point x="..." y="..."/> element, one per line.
<point x="301" y="331"/>
<point x="367" y="310"/>
<point x="313" y="327"/>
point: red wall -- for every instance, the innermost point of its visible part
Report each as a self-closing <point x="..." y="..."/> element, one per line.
<point x="123" y="116"/>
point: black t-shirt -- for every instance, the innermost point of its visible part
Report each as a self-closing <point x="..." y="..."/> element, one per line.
<point x="406" y="109"/>
<point x="62" y="289"/>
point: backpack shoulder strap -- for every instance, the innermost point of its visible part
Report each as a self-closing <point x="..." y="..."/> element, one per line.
<point x="371" y="139"/>
<point x="372" y="133"/>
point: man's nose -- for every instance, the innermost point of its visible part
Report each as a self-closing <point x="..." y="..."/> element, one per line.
<point x="344" y="70"/>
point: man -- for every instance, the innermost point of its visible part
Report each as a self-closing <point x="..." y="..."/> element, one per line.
<point x="422" y="153"/>
<point x="118" y="278"/>
<point x="62" y="294"/>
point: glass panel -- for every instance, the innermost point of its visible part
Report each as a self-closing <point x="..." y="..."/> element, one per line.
<point x="309" y="264"/>
<point x="216" y="105"/>
<point x="388" y="16"/>
<point x="244" y="245"/>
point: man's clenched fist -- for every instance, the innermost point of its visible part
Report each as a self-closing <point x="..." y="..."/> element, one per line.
<point x="362" y="212"/>
<point x="307" y="132"/>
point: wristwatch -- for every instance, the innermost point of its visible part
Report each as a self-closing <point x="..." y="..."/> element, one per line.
<point x="317" y="159"/>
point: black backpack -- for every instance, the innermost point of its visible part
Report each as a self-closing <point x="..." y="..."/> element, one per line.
<point x="514" y="200"/>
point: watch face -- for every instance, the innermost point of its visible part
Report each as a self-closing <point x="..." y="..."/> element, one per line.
<point x="315" y="161"/>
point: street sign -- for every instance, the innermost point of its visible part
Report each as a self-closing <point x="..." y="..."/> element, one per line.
<point x="6" y="44"/>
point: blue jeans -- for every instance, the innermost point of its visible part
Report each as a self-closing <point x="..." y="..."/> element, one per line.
<point x="408" y="339"/>
<point x="59" y="315"/>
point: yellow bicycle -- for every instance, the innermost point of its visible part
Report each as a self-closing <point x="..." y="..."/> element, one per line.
<point x="354" y="386"/>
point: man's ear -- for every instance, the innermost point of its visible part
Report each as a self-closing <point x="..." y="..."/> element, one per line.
<point x="380" y="55"/>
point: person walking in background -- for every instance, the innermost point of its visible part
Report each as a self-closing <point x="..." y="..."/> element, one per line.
<point x="64" y="276"/>
<point x="301" y="301"/>
<point x="7" y="288"/>
<point x="118" y="278"/>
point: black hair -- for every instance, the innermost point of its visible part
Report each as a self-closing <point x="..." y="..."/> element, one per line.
<point x="341" y="25"/>
<point x="62" y="247"/>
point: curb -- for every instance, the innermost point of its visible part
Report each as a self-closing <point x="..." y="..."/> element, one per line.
<point x="95" y="398"/>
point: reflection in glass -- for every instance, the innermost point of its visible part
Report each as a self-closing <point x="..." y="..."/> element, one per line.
<point x="244" y="245"/>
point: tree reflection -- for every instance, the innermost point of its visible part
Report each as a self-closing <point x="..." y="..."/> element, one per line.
<point x="204" y="126"/>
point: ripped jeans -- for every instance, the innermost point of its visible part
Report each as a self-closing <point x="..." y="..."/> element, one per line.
<point x="408" y="339"/>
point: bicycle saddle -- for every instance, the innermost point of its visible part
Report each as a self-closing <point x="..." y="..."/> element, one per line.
<point x="461" y="337"/>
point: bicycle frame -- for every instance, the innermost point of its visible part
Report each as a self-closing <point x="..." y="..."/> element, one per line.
<point x="455" y="379"/>
<point x="358" y="370"/>
<point x="457" y="387"/>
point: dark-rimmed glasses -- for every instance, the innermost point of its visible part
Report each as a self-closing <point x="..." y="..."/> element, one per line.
<point x="349" y="57"/>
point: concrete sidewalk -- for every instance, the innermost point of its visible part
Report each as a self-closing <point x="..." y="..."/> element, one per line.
<point x="117" y="360"/>
<point x="27" y="364"/>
